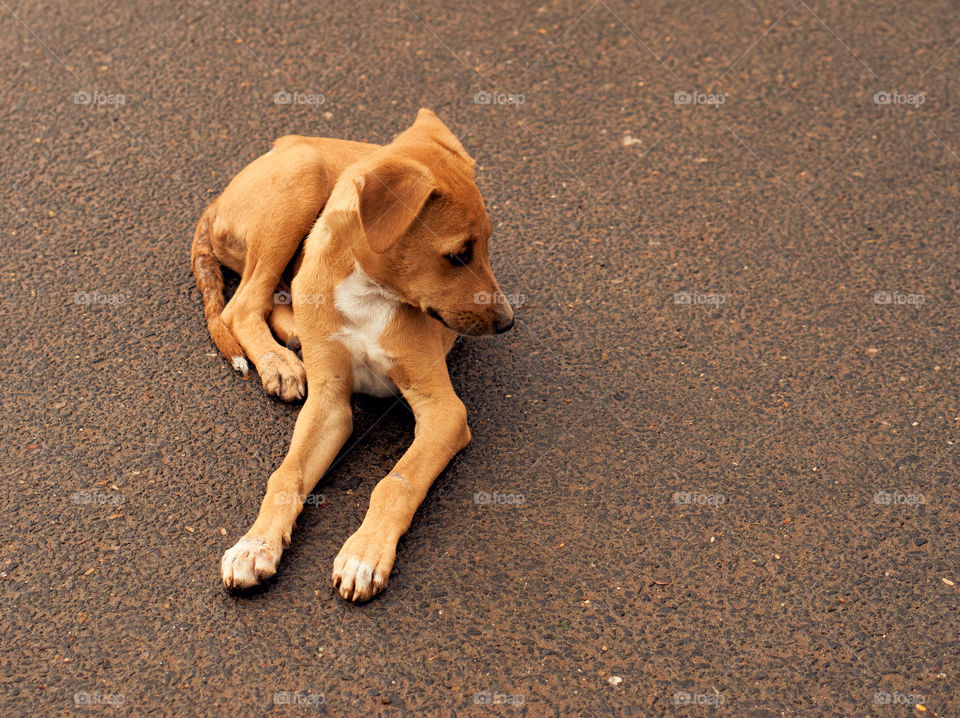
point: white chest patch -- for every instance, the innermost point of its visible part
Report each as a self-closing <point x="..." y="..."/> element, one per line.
<point x="367" y="308"/>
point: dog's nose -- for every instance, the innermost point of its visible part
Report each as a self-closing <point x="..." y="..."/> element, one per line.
<point x="504" y="324"/>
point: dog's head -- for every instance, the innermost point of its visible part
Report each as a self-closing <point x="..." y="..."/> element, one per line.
<point x="425" y="230"/>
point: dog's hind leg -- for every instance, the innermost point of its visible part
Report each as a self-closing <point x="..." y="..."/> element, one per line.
<point x="246" y="315"/>
<point x="272" y="241"/>
<point x="268" y="209"/>
<point x="282" y="323"/>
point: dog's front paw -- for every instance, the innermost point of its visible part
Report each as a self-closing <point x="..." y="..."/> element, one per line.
<point x="362" y="567"/>
<point x="283" y="375"/>
<point x="251" y="561"/>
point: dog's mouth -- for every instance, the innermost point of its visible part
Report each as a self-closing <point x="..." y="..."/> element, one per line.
<point x="470" y="331"/>
<point x="436" y="315"/>
<point x="473" y="329"/>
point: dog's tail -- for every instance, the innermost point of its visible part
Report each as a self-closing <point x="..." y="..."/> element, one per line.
<point x="206" y="269"/>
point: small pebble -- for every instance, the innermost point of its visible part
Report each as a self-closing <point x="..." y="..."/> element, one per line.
<point x="614" y="680"/>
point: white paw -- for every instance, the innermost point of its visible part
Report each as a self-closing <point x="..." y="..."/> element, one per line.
<point x="362" y="568"/>
<point x="283" y="375"/>
<point x="240" y="364"/>
<point x="251" y="561"/>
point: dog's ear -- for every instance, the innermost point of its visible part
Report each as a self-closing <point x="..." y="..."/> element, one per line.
<point x="391" y="196"/>
<point x="441" y="134"/>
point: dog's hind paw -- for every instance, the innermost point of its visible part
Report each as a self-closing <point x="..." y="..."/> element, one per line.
<point x="240" y="365"/>
<point x="283" y="375"/>
<point x="251" y="561"/>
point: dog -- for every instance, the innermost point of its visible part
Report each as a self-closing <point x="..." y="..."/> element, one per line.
<point x="384" y="250"/>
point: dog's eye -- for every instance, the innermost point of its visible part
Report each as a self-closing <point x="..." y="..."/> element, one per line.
<point x="462" y="258"/>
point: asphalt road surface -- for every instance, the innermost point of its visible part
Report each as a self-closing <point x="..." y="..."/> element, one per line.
<point x="714" y="467"/>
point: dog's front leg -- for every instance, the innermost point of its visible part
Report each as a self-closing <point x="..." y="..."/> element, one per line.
<point x="363" y="565"/>
<point x="324" y="424"/>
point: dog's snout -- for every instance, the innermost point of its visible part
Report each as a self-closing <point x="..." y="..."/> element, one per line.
<point x="504" y="313"/>
<point x="504" y="324"/>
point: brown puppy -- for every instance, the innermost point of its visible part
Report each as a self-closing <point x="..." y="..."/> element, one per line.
<point x="393" y="269"/>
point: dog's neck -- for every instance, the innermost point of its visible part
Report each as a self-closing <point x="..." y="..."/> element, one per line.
<point x="362" y="300"/>
<point x="339" y="237"/>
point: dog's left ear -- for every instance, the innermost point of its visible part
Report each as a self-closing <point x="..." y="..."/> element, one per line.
<point x="441" y="134"/>
<point x="391" y="197"/>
